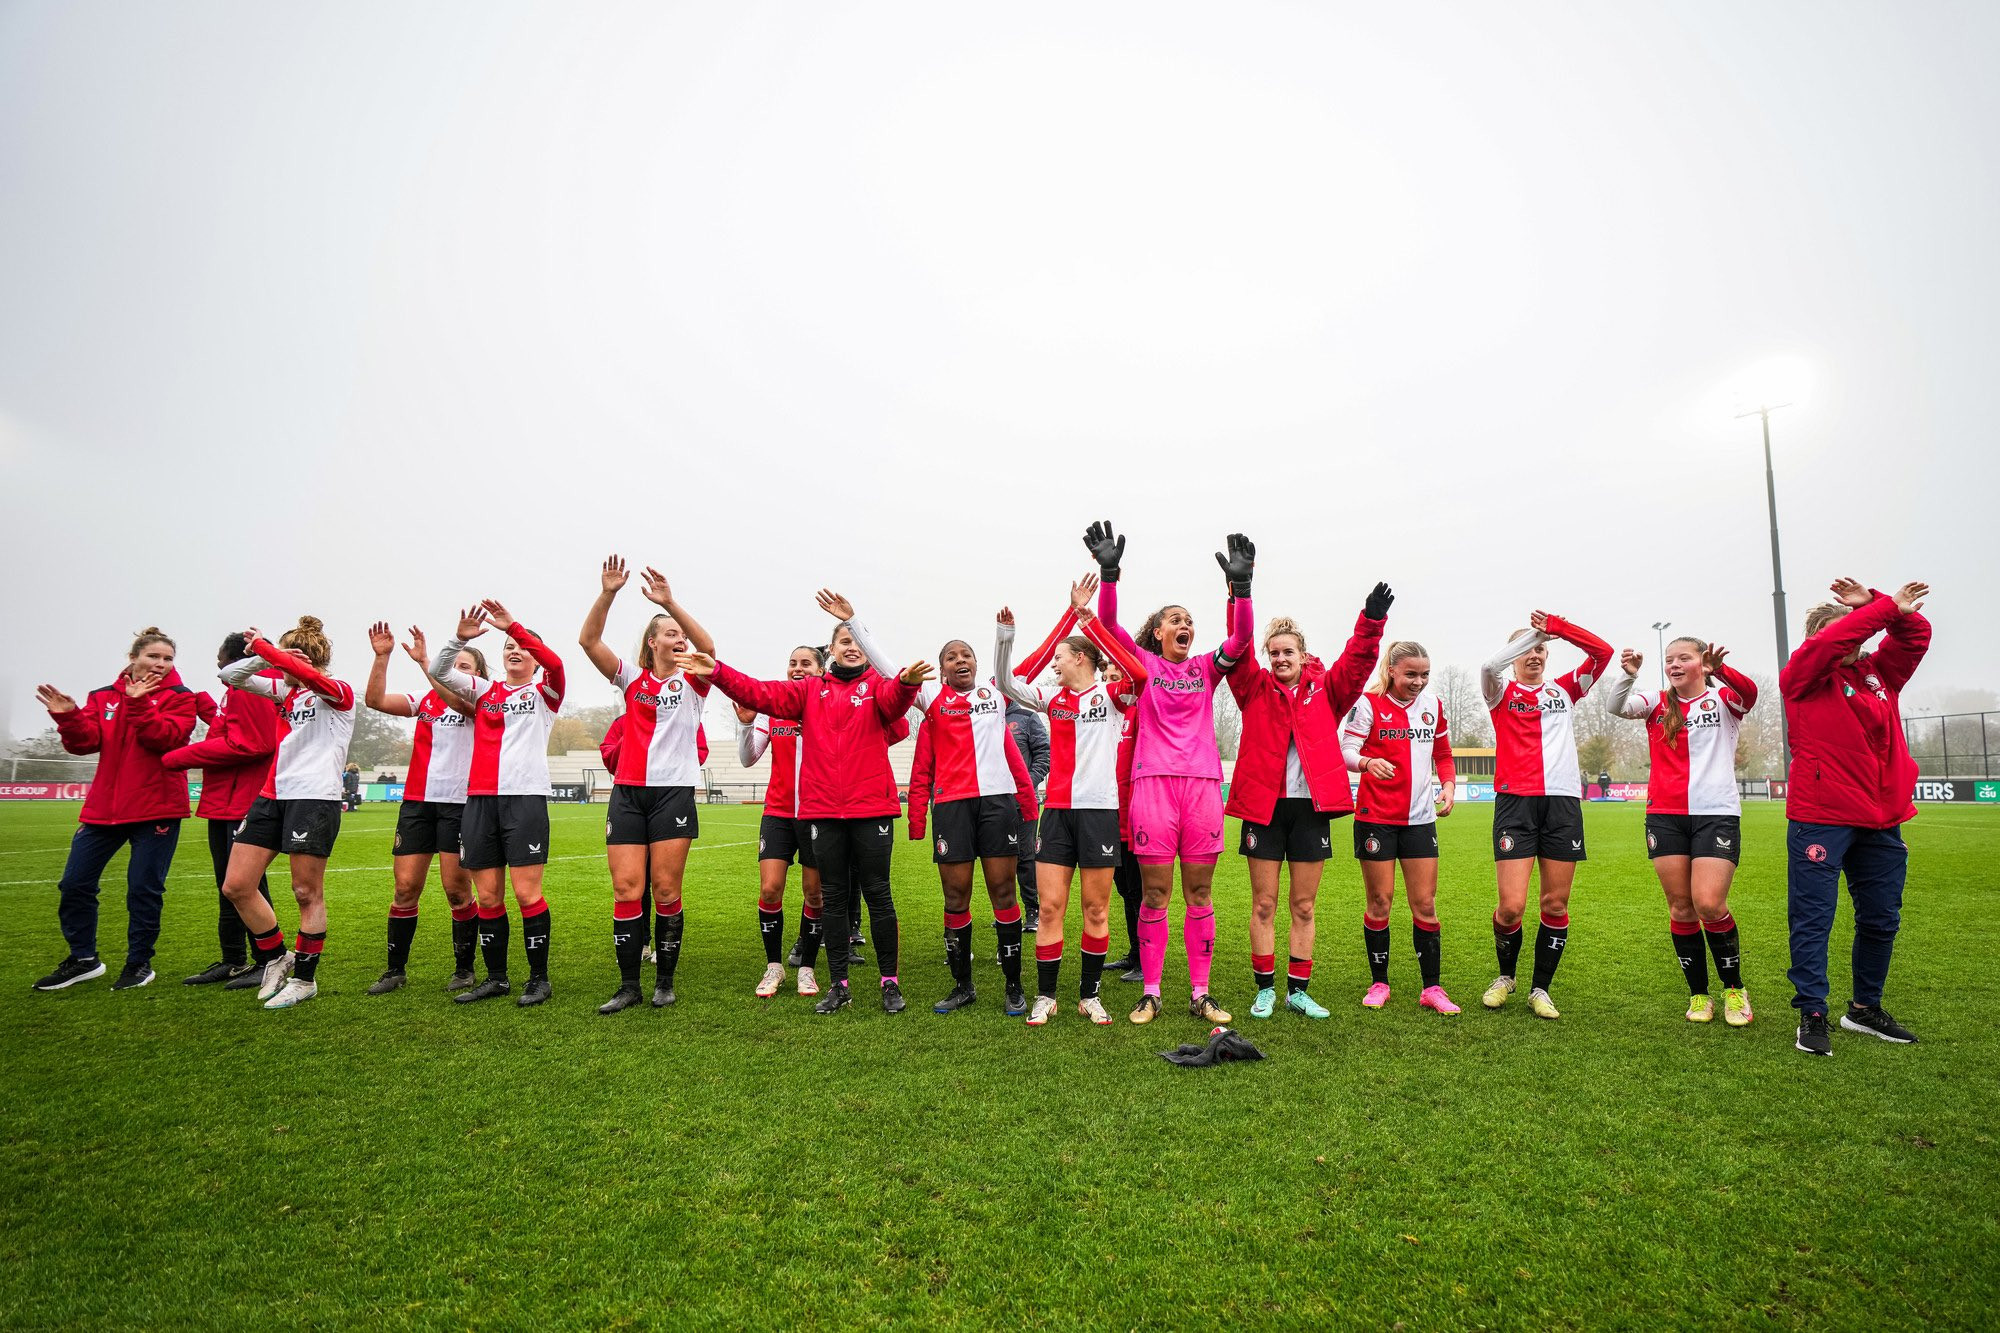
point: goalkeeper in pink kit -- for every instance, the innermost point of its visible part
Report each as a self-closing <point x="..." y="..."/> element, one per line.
<point x="1176" y="769"/>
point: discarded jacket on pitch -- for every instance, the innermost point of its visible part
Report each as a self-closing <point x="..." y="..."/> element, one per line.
<point x="1224" y="1044"/>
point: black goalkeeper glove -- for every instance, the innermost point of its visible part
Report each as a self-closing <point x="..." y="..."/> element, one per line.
<point x="1377" y="605"/>
<point x="1238" y="564"/>
<point x="1106" y="548"/>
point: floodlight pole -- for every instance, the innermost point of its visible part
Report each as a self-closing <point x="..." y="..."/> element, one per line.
<point x="1660" y="627"/>
<point x="1777" y="567"/>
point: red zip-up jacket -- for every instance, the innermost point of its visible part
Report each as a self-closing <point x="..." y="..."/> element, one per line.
<point x="923" y="781"/>
<point x="1850" y="763"/>
<point x="129" y="736"/>
<point x="235" y="757"/>
<point x="1274" y="718"/>
<point x="844" y="766"/>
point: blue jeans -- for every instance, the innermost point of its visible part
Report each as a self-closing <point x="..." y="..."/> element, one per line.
<point x="1875" y="862"/>
<point x="153" y="842"/>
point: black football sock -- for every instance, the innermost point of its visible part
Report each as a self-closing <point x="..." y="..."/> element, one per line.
<point x="1094" y="949"/>
<point x="264" y="948"/>
<point x="1375" y="938"/>
<point x="494" y="929"/>
<point x="958" y="947"/>
<point x="1550" y="941"/>
<point x="1007" y="925"/>
<point x="306" y="968"/>
<point x="464" y="937"/>
<point x="646" y="911"/>
<point x="771" y="925"/>
<point x="1506" y="946"/>
<point x="402" y="929"/>
<point x="667" y="944"/>
<point x="1048" y="968"/>
<point x="1694" y="960"/>
<point x="1424" y="938"/>
<point x="1728" y="951"/>
<point x="809" y="937"/>
<point x="1264" y="970"/>
<point x="535" y="939"/>
<point x="628" y="924"/>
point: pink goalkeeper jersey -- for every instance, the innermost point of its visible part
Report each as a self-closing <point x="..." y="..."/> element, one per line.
<point x="1177" y="707"/>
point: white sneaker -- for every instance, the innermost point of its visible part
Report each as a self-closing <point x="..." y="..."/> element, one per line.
<point x="275" y="974"/>
<point x="1044" y="1010"/>
<point x="774" y="977"/>
<point x="292" y="992"/>
<point x="1093" y="1009"/>
<point x="808" y="983"/>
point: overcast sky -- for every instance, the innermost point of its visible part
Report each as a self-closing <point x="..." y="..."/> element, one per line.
<point x="368" y="309"/>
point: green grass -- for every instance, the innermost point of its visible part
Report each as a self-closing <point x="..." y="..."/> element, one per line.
<point x="178" y="1158"/>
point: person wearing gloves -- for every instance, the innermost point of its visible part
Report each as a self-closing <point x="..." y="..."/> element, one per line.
<point x="134" y="800"/>
<point x="1290" y="783"/>
<point x="1693" y="813"/>
<point x="234" y="758"/>
<point x="1176" y="767"/>
<point x="847" y="791"/>
<point x="1537" y="795"/>
<point x="1850" y="790"/>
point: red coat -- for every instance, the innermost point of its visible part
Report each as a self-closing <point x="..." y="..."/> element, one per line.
<point x="1850" y="763"/>
<point x="844" y="759"/>
<point x="923" y="780"/>
<point x="236" y="755"/>
<point x="129" y="736"/>
<point x="1275" y="717"/>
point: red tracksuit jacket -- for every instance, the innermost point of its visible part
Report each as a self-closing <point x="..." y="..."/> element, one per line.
<point x="235" y="757"/>
<point x="1850" y="763"/>
<point x="844" y="769"/>
<point x="1274" y="718"/>
<point x="129" y="736"/>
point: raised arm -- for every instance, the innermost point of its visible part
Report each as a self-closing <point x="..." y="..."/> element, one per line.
<point x="246" y="735"/>
<point x="752" y="741"/>
<point x="1015" y="688"/>
<point x="1242" y="633"/>
<point x="1907" y="640"/>
<point x="1349" y="675"/>
<point x="1493" y="671"/>
<point x="337" y="693"/>
<point x="376" y="694"/>
<point x="1621" y="694"/>
<point x="776" y="698"/>
<point x="247" y="673"/>
<point x="77" y="727"/>
<point x="1120" y="651"/>
<point x="1813" y="661"/>
<point x="661" y="594"/>
<point x="444" y="667"/>
<point x="553" y="680"/>
<point x="1597" y="656"/>
<point x="611" y="577"/>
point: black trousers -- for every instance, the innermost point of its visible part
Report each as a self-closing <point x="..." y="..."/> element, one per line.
<point x="1126" y="880"/>
<point x="853" y="857"/>
<point x="1024" y="869"/>
<point x="229" y="929"/>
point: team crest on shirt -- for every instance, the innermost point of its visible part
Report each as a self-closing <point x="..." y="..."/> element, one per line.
<point x="674" y="685"/>
<point x="983" y="693"/>
<point x="1707" y="705"/>
<point x="1426" y="715"/>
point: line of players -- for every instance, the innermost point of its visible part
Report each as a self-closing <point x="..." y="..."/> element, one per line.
<point x="1135" y="779"/>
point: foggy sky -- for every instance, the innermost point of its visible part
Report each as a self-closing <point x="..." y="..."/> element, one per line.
<point x="367" y="310"/>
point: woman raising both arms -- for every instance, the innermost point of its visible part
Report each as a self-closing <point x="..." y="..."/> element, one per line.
<point x="1176" y="768"/>
<point x="1394" y="736"/>
<point x="505" y="828"/>
<point x="428" y="821"/>
<point x="1538" y="795"/>
<point x="1693" y="813"/>
<point x="1079" y="825"/>
<point x="653" y="821"/>
<point x="847" y="793"/>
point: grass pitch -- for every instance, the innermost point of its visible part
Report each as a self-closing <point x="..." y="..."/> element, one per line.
<point x="175" y="1157"/>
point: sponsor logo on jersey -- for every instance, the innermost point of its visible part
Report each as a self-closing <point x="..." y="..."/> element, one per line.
<point x="1181" y="684"/>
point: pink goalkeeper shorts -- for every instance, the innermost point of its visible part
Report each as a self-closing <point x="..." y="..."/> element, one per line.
<point x="1176" y="819"/>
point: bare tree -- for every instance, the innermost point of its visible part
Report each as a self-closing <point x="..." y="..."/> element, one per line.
<point x="1228" y="723"/>
<point x="1464" y="706"/>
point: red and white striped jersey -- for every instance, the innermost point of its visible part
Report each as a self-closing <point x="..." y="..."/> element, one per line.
<point x="968" y="741"/>
<point x="441" y="756"/>
<point x="1415" y="737"/>
<point x="511" y="723"/>
<point x="1696" y="774"/>
<point x="662" y="715"/>
<point x="1534" y="729"/>
<point x="780" y="736"/>
<point x="1085" y="727"/>
<point x="315" y="723"/>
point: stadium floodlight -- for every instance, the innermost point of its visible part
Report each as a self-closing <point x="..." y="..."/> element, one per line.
<point x="1660" y="627"/>
<point x="1764" y="412"/>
